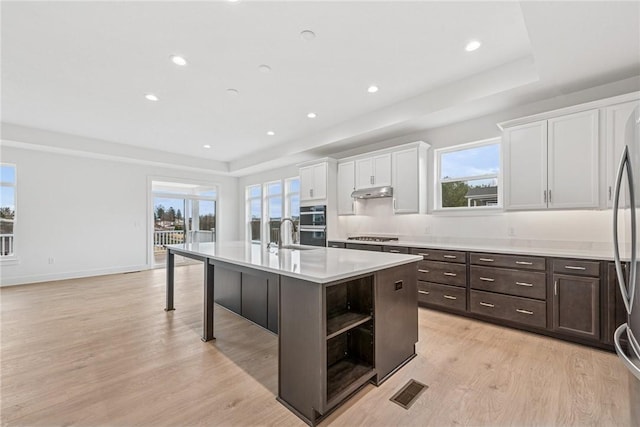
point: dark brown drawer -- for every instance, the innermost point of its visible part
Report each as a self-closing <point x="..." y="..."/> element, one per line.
<point x="440" y="255"/>
<point x="364" y="247"/>
<point x="515" y="309"/>
<point x="395" y="249"/>
<point x="576" y="267"/>
<point x="530" y="284"/>
<point x="442" y="295"/>
<point x="508" y="261"/>
<point x="336" y="244"/>
<point x="446" y="273"/>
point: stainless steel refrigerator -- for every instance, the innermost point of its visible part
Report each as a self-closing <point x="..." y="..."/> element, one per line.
<point x="626" y="238"/>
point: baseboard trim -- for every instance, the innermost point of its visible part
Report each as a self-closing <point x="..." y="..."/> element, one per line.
<point x="39" y="278"/>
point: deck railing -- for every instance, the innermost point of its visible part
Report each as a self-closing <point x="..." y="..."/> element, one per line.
<point x="161" y="238"/>
<point x="6" y="244"/>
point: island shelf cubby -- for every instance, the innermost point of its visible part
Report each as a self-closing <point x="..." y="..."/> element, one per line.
<point x="348" y="305"/>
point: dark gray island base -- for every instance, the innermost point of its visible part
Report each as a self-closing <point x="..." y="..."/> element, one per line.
<point x="333" y="336"/>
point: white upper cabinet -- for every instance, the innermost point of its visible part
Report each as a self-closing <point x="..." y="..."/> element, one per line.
<point x="552" y="163"/>
<point x="313" y="182"/>
<point x="525" y="166"/>
<point x="573" y="160"/>
<point x="409" y="179"/>
<point x="616" y="117"/>
<point x="346" y="185"/>
<point x="374" y="171"/>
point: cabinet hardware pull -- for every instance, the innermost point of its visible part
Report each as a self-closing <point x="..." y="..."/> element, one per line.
<point x="524" y="263"/>
<point x="555" y="288"/>
<point x="422" y="271"/>
<point x="423" y="253"/>
<point x="449" y="274"/>
<point x="524" y="284"/>
<point x="545" y="196"/>
<point x="486" y="304"/>
<point x="394" y="205"/>
<point x="571" y="267"/>
<point x="609" y="192"/>
<point x="311" y="192"/>
<point x="486" y="259"/>
<point x="450" y="256"/>
<point x="449" y="297"/>
<point x="550" y="200"/>
<point x="394" y="251"/>
<point x="524" y="311"/>
<point x="371" y="179"/>
<point x="423" y="292"/>
<point x="487" y="279"/>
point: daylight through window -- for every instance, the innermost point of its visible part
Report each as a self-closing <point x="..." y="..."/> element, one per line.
<point x="7" y="209"/>
<point x="469" y="175"/>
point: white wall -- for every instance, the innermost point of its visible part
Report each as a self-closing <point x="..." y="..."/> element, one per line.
<point x="91" y="215"/>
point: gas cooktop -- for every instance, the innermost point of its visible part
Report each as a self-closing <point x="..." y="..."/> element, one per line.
<point x="373" y="238"/>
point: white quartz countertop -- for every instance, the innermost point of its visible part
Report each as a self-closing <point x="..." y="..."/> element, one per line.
<point x="314" y="264"/>
<point x="582" y="250"/>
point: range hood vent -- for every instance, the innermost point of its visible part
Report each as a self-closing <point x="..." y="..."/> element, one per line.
<point x="373" y="193"/>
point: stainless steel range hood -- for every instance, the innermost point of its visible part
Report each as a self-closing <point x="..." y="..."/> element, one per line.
<point x="373" y="193"/>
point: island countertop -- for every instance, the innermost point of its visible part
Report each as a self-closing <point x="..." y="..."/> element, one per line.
<point x="314" y="264"/>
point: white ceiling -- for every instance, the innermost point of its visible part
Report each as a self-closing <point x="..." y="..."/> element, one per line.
<point x="83" y="68"/>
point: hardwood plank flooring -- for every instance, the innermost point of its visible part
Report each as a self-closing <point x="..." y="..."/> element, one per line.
<point x="101" y="351"/>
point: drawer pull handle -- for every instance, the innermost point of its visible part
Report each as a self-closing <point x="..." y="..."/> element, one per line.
<point x="422" y="271"/>
<point x="394" y="251"/>
<point x="487" y="279"/>
<point x="449" y="297"/>
<point x="450" y="274"/>
<point x="423" y="253"/>
<point x="450" y="256"/>
<point x="528" y="285"/>
<point x="572" y="267"/>
<point x="423" y="292"/>
<point x="524" y="263"/>
<point x="486" y="259"/>
<point x="524" y="311"/>
<point x="486" y="304"/>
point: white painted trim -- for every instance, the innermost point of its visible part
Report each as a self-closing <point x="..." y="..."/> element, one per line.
<point x="388" y="150"/>
<point x="316" y="161"/>
<point x="38" y="278"/>
<point x="601" y="103"/>
<point x="100" y="156"/>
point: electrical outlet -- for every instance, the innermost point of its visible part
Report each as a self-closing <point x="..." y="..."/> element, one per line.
<point x="511" y="231"/>
<point x="51" y="260"/>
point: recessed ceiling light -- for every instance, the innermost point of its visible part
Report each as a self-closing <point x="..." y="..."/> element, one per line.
<point x="472" y="45"/>
<point x="264" y="68"/>
<point x="178" y="60"/>
<point x="151" y="97"/>
<point x="206" y="146"/>
<point x="312" y="115"/>
<point x="372" y="89"/>
<point x="307" y="35"/>
<point x="233" y="92"/>
<point x="271" y="133"/>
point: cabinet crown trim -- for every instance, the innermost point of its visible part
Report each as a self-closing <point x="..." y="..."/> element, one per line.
<point x="633" y="96"/>
<point x="416" y="144"/>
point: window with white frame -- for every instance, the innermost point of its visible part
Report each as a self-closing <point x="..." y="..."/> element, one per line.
<point x="292" y="199"/>
<point x="468" y="176"/>
<point x="254" y="212"/>
<point x="7" y="209"/>
<point x="273" y="204"/>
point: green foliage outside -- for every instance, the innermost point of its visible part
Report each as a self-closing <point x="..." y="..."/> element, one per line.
<point x="453" y="194"/>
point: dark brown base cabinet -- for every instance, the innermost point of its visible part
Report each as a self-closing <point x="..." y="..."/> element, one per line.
<point x="572" y="299"/>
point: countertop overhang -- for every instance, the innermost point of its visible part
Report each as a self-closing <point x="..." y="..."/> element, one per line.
<point x="313" y="264"/>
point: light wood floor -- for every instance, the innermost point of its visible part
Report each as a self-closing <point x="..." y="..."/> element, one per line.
<point x="101" y="351"/>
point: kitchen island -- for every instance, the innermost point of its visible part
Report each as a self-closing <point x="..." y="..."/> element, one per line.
<point x="343" y="318"/>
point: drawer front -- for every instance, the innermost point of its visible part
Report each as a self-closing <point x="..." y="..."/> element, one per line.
<point x="516" y="309"/>
<point x="529" y="284"/>
<point x="395" y="249"/>
<point x="440" y="255"/>
<point x="446" y="273"/>
<point x="336" y="244"/>
<point x="576" y="267"/>
<point x="509" y="261"/>
<point x="442" y="295"/>
<point x="363" y="247"/>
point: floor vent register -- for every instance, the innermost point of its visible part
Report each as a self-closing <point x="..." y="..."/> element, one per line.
<point x="409" y="394"/>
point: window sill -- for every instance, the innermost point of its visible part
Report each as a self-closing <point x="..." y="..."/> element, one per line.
<point x="9" y="260"/>
<point x="468" y="211"/>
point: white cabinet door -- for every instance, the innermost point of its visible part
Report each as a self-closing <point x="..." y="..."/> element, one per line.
<point x="406" y="181"/>
<point x="346" y="185"/>
<point x="573" y="160"/>
<point x="313" y="182"/>
<point x="382" y="170"/>
<point x="364" y="173"/>
<point x="616" y="120"/>
<point x="525" y="166"/>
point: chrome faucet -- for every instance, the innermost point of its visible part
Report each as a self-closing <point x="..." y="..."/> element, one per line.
<point x="293" y="232"/>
